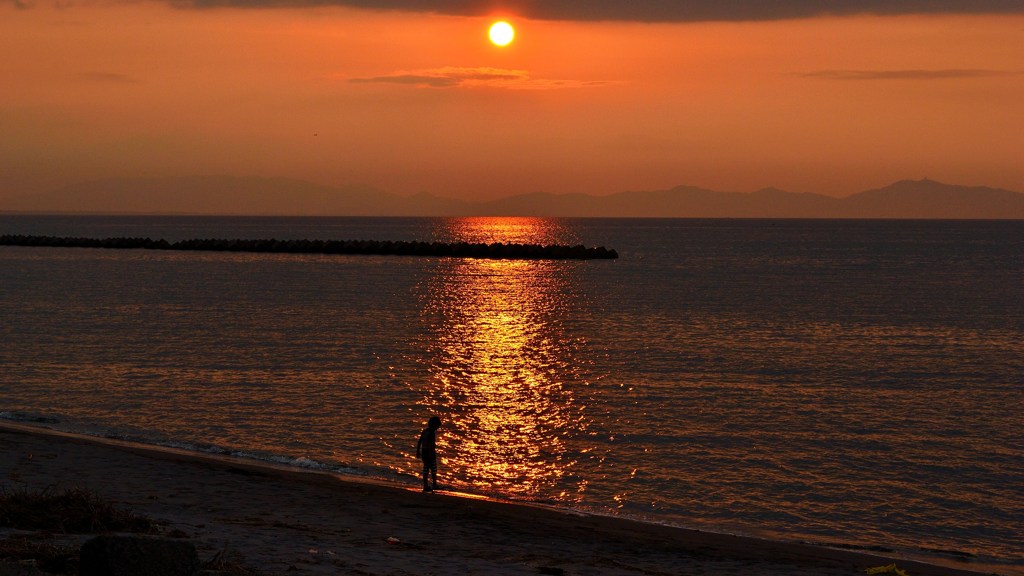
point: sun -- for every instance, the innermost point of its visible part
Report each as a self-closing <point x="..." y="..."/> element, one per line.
<point x="502" y="33"/>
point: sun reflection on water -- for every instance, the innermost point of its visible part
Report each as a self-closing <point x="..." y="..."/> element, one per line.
<point x="513" y="229"/>
<point x="501" y="366"/>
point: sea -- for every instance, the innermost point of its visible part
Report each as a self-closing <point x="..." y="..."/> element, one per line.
<point x="849" y="383"/>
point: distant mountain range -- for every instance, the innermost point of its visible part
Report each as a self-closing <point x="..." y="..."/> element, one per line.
<point x="281" y="196"/>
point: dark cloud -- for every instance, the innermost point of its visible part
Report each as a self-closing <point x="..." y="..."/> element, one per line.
<point x="411" y="79"/>
<point x="450" y="77"/>
<point x="645" y="10"/>
<point x="455" y="77"/>
<point x="905" y="74"/>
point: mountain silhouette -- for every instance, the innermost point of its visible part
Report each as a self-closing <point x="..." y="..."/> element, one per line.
<point x="930" y="199"/>
<point x="227" y="195"/>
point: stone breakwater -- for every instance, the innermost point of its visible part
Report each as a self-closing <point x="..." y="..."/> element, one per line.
<point x="493" y="251"/>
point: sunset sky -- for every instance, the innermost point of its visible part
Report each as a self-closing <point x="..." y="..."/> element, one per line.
<point x="592" y="96"/>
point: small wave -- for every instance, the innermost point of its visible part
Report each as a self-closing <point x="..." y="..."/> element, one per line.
<point x="954" y="553"/>
<point x="301" y="462"/>
<point x="853" y="547"/>
<point x="28" y="417"/>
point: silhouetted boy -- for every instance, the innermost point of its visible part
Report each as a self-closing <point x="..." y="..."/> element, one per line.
<point x="426" y="449"/>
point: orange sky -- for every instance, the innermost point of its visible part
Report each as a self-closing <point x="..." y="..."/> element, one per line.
<point x="419" y="102"/>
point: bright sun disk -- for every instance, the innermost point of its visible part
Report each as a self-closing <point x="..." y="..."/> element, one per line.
<point x="502" y="33"/>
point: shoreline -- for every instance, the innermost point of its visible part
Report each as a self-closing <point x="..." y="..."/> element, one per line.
<point x="282" y="519"/>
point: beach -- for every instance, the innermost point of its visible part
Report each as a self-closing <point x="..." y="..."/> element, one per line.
<point x="290" y="521"/>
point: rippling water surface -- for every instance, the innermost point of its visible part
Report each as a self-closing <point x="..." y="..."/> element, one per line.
<point x="836" y="381"/>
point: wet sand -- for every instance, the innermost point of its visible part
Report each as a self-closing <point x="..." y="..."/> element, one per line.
<point x="284" y="521"/>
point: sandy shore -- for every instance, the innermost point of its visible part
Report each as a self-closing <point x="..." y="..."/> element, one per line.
<point x="293" y="522"/>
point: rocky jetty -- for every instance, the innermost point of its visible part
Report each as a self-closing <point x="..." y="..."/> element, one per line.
<point x="495" y="251"/>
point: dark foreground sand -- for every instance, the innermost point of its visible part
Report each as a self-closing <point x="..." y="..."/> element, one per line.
<point x="289" y="522"/>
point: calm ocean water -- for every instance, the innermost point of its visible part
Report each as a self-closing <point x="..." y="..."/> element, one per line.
<point x="856" y="382"/>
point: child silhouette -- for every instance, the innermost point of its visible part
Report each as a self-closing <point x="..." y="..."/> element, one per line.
<point x="426" y="450"/>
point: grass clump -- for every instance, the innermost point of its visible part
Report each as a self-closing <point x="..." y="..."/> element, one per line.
<point x="71" y="511"/>
<point x="77" y="511"/>
<point x="42" y="553"/>
<point x="229" y="561"/>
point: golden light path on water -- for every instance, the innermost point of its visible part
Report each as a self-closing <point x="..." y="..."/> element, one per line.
<point x="500" y="364"/>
